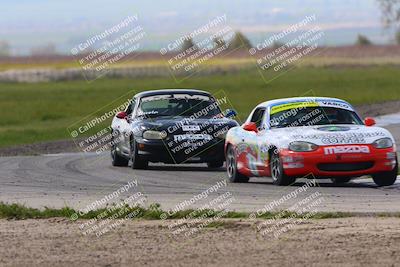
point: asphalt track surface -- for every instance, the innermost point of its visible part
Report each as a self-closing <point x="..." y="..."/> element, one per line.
<point x="78" y="179"/>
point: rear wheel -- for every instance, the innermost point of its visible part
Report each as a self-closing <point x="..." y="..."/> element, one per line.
<point x="137" y="162"/>
<point x="386" y="178"/>
<point x="340" y="180"/>
<point x="278" y="176"/>
<point x="117" y="160"/>
<point x="231" y="168"/>
<point x="215" y="164"/>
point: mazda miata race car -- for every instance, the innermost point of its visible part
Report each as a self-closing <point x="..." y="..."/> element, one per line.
<point x="171" y="126"/>
<point x="309" y="137"/>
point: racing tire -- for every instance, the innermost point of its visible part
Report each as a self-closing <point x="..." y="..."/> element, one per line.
<point x="278" y="175"/>
<point x="215" y="164"/>
<point x="340" y="180"/>
<point x="137" y="162"/>
<point x="231" y="168"/>
<point x="117" y="159"/>
<point x="386" y="178"/>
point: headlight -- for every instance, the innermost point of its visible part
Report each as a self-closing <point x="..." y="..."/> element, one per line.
<point x="154" y="135"/>
<point x="221" y="135"/>
<point x="383" y="143"/>
<point x="299" y="146"/>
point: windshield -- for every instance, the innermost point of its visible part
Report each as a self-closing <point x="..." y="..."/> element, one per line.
<point x="178" y="105"/>
<point x="310" y="116"/>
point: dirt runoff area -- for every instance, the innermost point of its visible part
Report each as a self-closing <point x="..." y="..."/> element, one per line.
<point x="368" y="241"/>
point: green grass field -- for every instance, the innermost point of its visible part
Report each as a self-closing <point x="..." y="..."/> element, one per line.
<point x="43" y="111"/>
<point x="154" y="212"/>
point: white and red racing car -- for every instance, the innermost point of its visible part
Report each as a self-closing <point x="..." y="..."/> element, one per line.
<point x="309" y="137"/>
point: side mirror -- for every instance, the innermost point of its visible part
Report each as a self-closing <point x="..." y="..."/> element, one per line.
<point x="229" y="113"/>
<point x="251" y="127"/>
<point x="369" y="121"/>
<point x="121" y="115"/>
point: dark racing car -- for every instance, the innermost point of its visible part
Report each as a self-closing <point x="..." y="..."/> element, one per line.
<point x="171" y="126"/>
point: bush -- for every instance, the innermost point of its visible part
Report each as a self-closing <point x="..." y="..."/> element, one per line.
<point x="187" y="44"/>
<point x="363" y="40"/>
<point x="239" y="41"/>
<point x="397" y="37"/>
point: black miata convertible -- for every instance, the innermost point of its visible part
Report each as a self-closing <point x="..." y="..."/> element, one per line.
<point x="171" y="126"/>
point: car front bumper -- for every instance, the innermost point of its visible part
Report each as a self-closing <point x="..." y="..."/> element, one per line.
<point x="159" y="151"/>
<point x="322" y="165"/>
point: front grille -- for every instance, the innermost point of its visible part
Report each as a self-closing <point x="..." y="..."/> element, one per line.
<point x="345" y="167"/>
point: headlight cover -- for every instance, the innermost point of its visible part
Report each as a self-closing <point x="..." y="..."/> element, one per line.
<point x="301" y="146"/>
<point x="150" y="134"/>
<point x="221" y="135"/>
<point x="383" y="143"/>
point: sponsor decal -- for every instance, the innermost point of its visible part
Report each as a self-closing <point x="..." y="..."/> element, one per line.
<point x="146" y="113"/>
<point x="242" y="148"/>
<point x="346" y="149"/>
<point x="310" y="103"/>
<point x="343" y="140"/>
<point x="190" y="128"/>
<point x="340" y="138"/>
<point x="335" y="104"/>
<point x="183" y="137"/>
<point x="334" y="128"/>
<point x="293" y="105"/>
<point x="252" y="164"/>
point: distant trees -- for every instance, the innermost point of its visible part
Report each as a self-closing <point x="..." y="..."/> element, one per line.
<point x="4" y="48"/>
<point x="187" y="44"/>
<point x="391" y="15"/>
<point x="277" y="44"/>
<point x="219" y="42"/>
<point x="239" y="41"/>
<point x="397" y="37"/>
<point x="363" y="40"/>
<point x="390" y="11"/>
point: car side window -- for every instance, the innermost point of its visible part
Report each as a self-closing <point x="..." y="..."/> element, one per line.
<point x="130" y="107"/>
<point x="258" y="116"/>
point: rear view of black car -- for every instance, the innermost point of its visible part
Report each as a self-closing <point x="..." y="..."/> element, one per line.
<point x="171" y="126"/>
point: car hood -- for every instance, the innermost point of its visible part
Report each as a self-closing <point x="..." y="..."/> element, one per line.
<point x="173" y="125"/>
<point x="329" y="134"/>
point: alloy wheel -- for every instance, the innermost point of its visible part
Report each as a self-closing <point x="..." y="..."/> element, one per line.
<point x="276" y="167"/>
<point x="230" y="163"/>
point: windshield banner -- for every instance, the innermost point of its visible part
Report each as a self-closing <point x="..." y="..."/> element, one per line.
<point x="312" y="103"/>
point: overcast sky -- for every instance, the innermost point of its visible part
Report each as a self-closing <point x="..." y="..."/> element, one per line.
<point x="30" y="23"/>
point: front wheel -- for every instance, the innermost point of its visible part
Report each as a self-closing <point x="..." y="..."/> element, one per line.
<point x="386" y="178"/>
<point x="137" y="162"/>
<point x="278" y="176"/>
<point x="117" y="159"/>
<point x="231" y="168"/>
